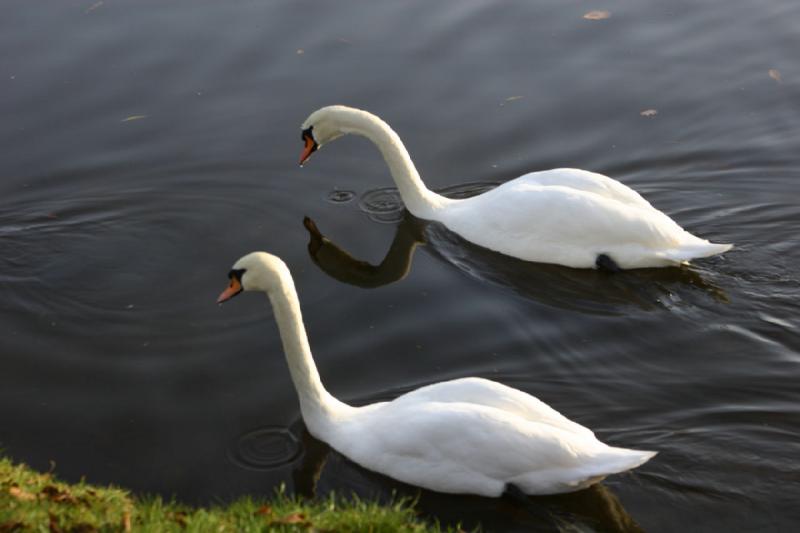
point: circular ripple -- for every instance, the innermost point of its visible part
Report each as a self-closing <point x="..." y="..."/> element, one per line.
<point x="340" y="197"/>
<point x="383" y="205"/>
<point x="265" y="448"/>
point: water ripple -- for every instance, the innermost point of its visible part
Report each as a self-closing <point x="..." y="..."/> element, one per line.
<point x="383" y="205"/>
<point x="340" y="197"/>
<point x="265" y="449"/>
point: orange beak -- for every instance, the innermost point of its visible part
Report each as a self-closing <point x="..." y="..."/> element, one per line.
<point x="310" y="148"/>
<point x="233" y="289"/>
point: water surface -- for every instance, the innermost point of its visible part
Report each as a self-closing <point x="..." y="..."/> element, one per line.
<point x="148" y="145"/>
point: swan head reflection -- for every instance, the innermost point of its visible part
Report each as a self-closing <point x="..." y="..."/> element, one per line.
<point x="340" y="265"/>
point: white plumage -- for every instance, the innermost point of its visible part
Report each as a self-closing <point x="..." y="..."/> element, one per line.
<point x="564" y="216"/>
<point x="471" y="435"/>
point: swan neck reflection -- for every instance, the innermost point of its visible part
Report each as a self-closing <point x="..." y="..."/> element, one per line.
<point x="340" y="265"/>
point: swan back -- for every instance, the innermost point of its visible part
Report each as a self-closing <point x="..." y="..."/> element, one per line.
<point x="591" y="182"/>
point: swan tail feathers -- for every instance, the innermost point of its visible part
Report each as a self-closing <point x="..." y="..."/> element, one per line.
<point x="616" y="460"/>
<point x="691" y="251"/>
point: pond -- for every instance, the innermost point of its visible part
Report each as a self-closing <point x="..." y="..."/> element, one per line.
<point x="147" y="145"/>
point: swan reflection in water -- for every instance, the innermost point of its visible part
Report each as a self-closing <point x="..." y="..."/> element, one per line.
<point x="317" y="471"/>
<point x="592" y="291"/>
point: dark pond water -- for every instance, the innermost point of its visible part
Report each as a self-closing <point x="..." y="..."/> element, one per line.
<point x="147" y="145"/>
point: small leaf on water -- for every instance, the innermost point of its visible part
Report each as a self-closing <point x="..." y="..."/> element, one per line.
<point x="775" y="74"/>
<point x="649" y="113"/>
<point x="300" y="51"/>
<point x="510" y="99"/>
<point x="134" y="117"/>
<point x="93" y="7"/>
<point x="597" y="15"/>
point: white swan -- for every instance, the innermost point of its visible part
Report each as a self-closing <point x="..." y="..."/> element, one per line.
<point x="467" y="435"/>
<point x="565" y="216"/>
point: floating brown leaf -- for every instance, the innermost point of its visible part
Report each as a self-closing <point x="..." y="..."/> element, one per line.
<point x="775" y="74"/>
<point x="649" y="113"/>
<point x="133" y="117"/>
<point x="597" y="15"/>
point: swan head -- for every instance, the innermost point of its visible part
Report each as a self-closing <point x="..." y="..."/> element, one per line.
<point x="323" y="126"/>
<point x="256" y="271"/>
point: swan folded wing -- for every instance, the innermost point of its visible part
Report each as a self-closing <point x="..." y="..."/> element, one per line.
<point x="557" y="224"/>
<point x="560" y="214"/>
<point x="583" y="180"/>
<point x="467" y="448"/>
<point x="480" y="391"/>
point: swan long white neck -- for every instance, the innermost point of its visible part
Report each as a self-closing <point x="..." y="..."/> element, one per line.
<point x="420" y="201"/>
<point x="319" y="408"/>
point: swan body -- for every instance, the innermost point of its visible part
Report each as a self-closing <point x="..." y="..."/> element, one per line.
<point x="464" y="436"/>
<point x="564" y="216"/>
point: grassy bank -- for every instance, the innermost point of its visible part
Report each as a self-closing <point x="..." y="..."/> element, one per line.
<point x="32" y="501"/>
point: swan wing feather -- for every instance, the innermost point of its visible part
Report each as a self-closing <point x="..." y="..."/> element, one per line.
<point x="583" y="180"/>
<point x="480" y="391"/>
<point x="465" y="447"/>
<point x="564" y="225"/>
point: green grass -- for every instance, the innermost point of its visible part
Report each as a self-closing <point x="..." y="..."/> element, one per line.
<point x="32" y="501"/>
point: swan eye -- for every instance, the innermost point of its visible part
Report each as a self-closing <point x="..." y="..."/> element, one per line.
<point x="236" y="274"/>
